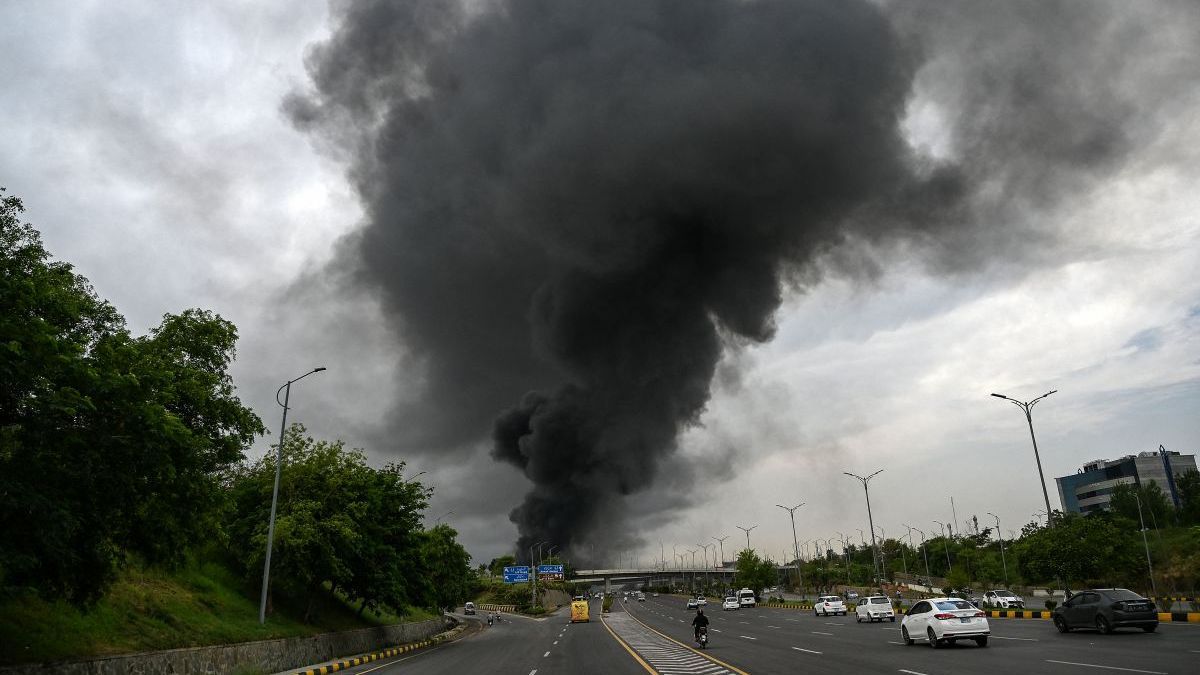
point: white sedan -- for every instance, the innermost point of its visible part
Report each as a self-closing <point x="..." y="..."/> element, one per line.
<point x="829" y="604"/>
<point x="944" y="620"/>
<point x="874" y="608"/>
<point x="729" y="603"/>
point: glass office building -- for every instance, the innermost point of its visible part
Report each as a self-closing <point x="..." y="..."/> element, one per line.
<point x="1090" y="489"/>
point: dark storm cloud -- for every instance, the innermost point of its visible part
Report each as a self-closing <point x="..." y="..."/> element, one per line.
<point x="573" y="208"/>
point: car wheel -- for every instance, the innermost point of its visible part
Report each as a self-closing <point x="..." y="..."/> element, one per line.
<point x="981" y="641"/>
<point x="857" y="618"/>
<point x="1103" y="625"/>
<point x="908" y="642"/>
<point x="1061" y="625"/>
<point x="933" y="641"/>
<point x="1150" y="629"/>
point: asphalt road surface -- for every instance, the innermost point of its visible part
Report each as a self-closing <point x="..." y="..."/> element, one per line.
<point x="521" y="646"/>
<point x="767" y="640"/>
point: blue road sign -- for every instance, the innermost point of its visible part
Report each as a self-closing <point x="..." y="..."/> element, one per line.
<point x="550" y="571"/>
<point x="516" y="575"/>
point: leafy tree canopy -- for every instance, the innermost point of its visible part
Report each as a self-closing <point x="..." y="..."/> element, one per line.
<point x="109" y="444"/>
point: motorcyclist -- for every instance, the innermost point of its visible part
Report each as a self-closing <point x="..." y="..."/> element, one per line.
<point x="698" y="622"/>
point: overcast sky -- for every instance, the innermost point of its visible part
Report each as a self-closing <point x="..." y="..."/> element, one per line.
<point x="150" y="146"/>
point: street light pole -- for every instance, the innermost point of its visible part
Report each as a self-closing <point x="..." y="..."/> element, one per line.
<point x="747" y="531"/>
<point x="925" y="555"/>
<point x="721" y="541"/>
<point x="882" y="555"/>
<point x="946" y="544"/>
<point x="1149" y="565"/>
<point x="846" y="555"/>
<point x="287" y="392"/>
<point x="795" y="542"/>
<point x="870" y="520"/>
<point x="1000" y="536"/>
<point x="1027" y="407"/>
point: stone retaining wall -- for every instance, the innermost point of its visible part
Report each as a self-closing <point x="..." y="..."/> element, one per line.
<point x="267" y="656"/>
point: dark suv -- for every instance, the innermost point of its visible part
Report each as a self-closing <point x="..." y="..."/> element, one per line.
<point x="1105" y="609"/>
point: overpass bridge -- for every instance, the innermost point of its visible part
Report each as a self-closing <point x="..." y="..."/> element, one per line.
<point x="608" y="576"/>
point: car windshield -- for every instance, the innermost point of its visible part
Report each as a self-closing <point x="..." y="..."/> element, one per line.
<point x="878" y="601"/>
<point x="953" y="604"/>
<point x="1120" y="594"/>
<point x="1005" y="594"/>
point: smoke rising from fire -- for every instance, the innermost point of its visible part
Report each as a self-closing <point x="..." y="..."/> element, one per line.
<point x="574" y="208"/>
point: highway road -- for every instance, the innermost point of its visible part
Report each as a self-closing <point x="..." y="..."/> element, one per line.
<point x="768" y="640"/>
<point x="521" y="646"/>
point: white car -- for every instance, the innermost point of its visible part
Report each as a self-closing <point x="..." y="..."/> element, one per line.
<point x="730" y="603"/>
<point x="1003" y="599"/>
<point x="874" y="608"/>
<point x="702" y="601"/>
<point x="944" y="620"/>
<point x="829" y="604"/>
<point x="692" y="603"/>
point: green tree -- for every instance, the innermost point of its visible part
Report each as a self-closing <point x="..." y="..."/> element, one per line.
<point x="498" y="564"/>
<point x="447" y="568"/>
<point x="1188" y="486"/>
<point x="109" y="444"/>
<point x="754" y="572"/>
<point x="1156" y="509"/>
<point x="1080" y="551"/>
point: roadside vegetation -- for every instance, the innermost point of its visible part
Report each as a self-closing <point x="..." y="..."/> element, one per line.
<point x="130" y="517"/>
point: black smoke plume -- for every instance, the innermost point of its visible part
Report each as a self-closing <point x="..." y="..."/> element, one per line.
<point x="577" y="206"/>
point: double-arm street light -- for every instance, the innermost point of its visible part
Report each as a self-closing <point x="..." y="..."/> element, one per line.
<point x="870" y="519"/>
<point x="946" y="544"/>
<point x="721" y="541"/>
<point x="795" y="542"/>
<point x="924" y="553"/>
<point x="1027" y="408"/>
<point x="286" y="390"/>
<point x="1000" y="536"/>
<point x="747" y="531"/>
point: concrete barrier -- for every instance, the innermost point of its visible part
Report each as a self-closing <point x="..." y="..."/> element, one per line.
<point x="268" y="656"/>
<point x="1163" y="617"/>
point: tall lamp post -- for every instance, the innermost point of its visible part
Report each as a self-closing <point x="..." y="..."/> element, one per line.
<point x="925" y="555"/>
<point x="946" y="544"/>
<point x="870" y="519"/>
<point x="1149" y="565"/>
<point x="721" y="541"/>
<point x="747" y="531"/>
<point x="1000" y="536"/>
<point x="846" y="555"/>
<point x="286" y="389"/>
<point x="1027" y="408"/>
<point x="795" y="543"/>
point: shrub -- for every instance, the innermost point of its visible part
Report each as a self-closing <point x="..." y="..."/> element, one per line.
<point x="1051" y="604"/>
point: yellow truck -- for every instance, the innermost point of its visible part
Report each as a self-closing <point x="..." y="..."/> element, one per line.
<point x="579" y="610"/>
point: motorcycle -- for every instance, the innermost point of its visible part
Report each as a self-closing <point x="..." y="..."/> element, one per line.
<point x="703" y="638"/>
<point x="489" y="619"/>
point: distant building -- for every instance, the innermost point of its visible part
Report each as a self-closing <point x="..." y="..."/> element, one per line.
<point x="1091" y="488"/>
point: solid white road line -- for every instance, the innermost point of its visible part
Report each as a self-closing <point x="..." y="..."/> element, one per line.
<point x="772" y="626"/>
<point x="805" y="650"/>
<point x="1092" y="665"/>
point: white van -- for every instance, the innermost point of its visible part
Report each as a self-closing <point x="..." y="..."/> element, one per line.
<point x="745" y="598"/>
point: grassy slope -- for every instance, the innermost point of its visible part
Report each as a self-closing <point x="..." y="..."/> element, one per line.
<point x="151" y="609"/>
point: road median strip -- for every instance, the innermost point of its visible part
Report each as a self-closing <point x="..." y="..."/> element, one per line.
<point x="382" y="654"/>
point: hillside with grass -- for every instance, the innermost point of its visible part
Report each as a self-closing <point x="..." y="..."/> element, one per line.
<point x="149" y="609"/>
